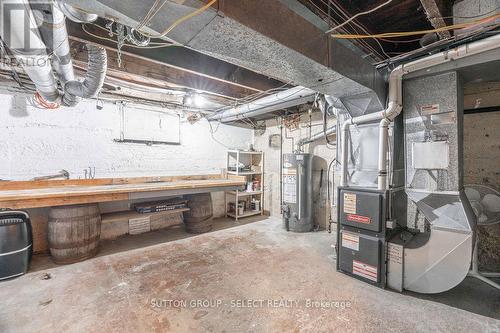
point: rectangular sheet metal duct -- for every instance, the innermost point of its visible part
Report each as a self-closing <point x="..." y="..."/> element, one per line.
<point x="278" y="38"/>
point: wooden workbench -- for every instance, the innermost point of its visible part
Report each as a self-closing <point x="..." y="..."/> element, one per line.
<point x="48" y="193"/>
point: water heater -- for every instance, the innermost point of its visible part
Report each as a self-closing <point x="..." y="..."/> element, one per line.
<point x="297" y="192"/>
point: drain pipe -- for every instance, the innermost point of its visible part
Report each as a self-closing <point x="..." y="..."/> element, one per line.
<point x="395" y="101"/>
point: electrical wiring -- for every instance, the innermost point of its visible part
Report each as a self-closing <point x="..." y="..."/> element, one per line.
<point x="362" y="27"/>
<point x="447" y="42"/>
<point x="359" y="14"/>
<point x="213" y="136"/>
<point x="43" y="103"/>
<point x="341" y="13"/>
<point x="126" y="45"/>
<point x="114" y="33"/>
<point x="353" y="25"/>
<point x="420" y="32"/>
<point x="149" y="14"/>
<point x="181" y="20"/>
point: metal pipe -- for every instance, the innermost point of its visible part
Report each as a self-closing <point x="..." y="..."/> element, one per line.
<point x="395" y="107"/>
<point x="281" y="100"/>
<point x="317" y="136"/>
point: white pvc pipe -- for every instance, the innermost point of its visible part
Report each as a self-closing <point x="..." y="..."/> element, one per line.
<point x="395" y="105"/>
<point x="382" y="156"/>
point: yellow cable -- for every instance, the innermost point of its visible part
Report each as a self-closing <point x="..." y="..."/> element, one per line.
<point x="413" y="33"/>
<point x="179" y="21"/>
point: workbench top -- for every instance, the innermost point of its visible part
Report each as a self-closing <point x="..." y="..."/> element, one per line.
<point x="32" y="194"/>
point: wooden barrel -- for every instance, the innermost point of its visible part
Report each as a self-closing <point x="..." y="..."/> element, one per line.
<point x="199" y="218"/>
<point x="74" y="232"/>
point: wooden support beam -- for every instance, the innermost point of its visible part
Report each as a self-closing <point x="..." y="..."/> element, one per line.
<point x="435" y="16"/>
<point x="140" y="70"/>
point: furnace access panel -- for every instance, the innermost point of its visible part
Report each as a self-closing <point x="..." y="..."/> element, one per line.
<point x="361" y="234"/>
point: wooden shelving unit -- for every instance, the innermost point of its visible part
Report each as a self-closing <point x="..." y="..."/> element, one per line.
<point x="235" y="159"/>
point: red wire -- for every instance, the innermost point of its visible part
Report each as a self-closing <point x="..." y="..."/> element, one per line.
<point x="43" y="103"/>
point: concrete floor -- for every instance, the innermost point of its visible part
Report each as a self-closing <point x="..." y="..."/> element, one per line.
<point x="203" y="283"/>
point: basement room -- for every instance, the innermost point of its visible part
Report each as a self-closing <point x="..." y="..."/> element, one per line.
<point x="249" y="166"/>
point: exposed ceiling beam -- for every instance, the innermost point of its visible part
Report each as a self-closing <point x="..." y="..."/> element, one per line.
<point x="142" y="71"/>
<point x="435" y="16"/>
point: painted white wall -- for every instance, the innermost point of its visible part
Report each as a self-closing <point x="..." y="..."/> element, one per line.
<point x="36" y="142"/>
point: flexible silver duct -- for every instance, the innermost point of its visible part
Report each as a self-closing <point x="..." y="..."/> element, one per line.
<point x="94" y="79"/>
<point x="52" y="35"/>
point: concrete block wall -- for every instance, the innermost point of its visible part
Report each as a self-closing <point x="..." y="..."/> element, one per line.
<point x="36" y="142"/>
<point x="322" y="156"/>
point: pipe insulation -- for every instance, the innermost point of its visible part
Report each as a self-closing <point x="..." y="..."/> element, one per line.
<point x="277" y="101"/>
<point x="50" y="34"/>
<point x="394" y="107"/>
<point x="94" y="78"/>
<point x="52" y="28"/>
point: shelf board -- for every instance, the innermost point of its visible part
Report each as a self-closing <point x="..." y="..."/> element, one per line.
<point x="245" y="193"/>
<point x="245" y="214"/>
<point x="245" y="152"/>
<point x="244" y="173"/>
<point x="131" y="214"/>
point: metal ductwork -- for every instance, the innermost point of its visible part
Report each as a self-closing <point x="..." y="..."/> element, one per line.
<point x="49" y="51"/>
<point x="439" y="257"/>
<point x="278" y="38"/>
<point x="277" y="101"/>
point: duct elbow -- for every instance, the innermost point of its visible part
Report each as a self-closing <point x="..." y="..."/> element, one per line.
<point x="75" y="14"/>
<point x="94" y="79"/>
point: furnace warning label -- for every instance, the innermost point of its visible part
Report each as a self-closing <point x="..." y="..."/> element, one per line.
<point x="350" y="240"/>
<point x="364" y="270"/>
<point x="350" y="203"/>
<point x="290" y="185"/>
<point x="358" y="218"/>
